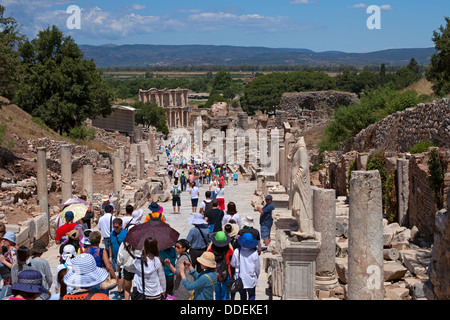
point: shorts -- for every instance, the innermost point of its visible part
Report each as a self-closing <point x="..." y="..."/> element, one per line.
<point x="176" y="201"/>
<point x="194" y="202"/>
<point x="265" y="230"/>
<point x="129" y="276"/>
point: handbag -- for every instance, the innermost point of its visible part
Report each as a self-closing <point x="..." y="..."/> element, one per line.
<point x="108" y="284"/>
<point x="136" y="295"/>
<point x="236" y="285"/>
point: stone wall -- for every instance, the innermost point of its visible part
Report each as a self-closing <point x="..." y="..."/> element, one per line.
<point x="402" y="130"/>
<point x="318" y="100"/>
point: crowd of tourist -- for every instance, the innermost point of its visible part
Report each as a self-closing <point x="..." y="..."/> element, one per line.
<point x="218" y="258"/>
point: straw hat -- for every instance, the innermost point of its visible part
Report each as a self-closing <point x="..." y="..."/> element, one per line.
<point x="233" y="227"/>
<point x="84" y="272"/>
<point x="207" y="259"/>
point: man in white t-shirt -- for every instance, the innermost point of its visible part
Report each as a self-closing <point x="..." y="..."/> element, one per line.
<point x="206" y="204"/>
<point x="194" y="191"/>
<point x="105" y="225"/>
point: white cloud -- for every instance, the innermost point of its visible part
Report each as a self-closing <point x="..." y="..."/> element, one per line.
<point x="385" y="7"/>
<point x="302" y="2"/>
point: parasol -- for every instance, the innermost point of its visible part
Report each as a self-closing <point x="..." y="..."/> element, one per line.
<point x="79" y="211"/>
<point x="162" y="232"/>
<point x="73" y="201"/>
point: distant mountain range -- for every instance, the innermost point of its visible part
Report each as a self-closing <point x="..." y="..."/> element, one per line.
<point x="194" y="55"/>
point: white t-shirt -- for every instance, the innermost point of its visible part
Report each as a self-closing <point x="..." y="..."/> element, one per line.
<point x="194" y="192"/>
<point x="220" y="193"/>
<point x="105" y="224"/>
<point x="203" y="205"/>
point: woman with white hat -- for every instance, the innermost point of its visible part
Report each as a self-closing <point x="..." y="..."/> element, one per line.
<point x="198" y="237"/>
<point x="247" y="266"/>
<point x="84" y="275"/>
<point x="204" y="282"/>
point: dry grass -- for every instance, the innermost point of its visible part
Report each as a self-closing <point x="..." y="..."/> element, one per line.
<point x="423" y="86"/>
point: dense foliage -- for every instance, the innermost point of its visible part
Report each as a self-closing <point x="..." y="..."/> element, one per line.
<point x="439" y="70"/>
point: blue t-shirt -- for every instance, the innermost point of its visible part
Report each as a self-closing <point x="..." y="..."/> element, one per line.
<point x="235" y="175"/>
<point x="266" y="216"/>
<point x="170" y="254"/>
<point x="116" y="240"/>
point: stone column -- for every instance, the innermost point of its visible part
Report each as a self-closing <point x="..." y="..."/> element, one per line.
<point x="365" y="245"/>
<point x="402" y="191"/>
<point x="66" y="172"/>
<point x="42" y="191"/>
<point x="324" y="215"/>
<point x="138" y="163"/>
<point x="88" y="181"/>
<point x="117" y="176"/>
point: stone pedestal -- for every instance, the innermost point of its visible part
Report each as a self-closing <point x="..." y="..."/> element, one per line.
<point x="300" y="269"/>
<point x="117" y="176"/>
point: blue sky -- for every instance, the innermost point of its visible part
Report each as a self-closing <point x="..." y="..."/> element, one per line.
<point x="319" y="25"/>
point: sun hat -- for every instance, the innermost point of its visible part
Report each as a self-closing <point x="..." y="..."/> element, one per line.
<point x="220" y="239"/>
<point x="105" y="198"/>
<point x="247" y="241"/>
<point x="74" y="235"/>
<point x="232" y="227"/>
<point x="248" y="221"/>
<point x="69" y="252"/>
<point x="11" y="236"/>
<point x="39" y="246"/>
<point x="84" y="272"/>
<point x="154" y="207"/>
<point x="69" y="215"/>
<point x="207" y="259"/>
<point x="196" y="219"/>
<point x="29" y="281"/>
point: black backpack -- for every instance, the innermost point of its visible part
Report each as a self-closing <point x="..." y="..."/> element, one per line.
<point x="208" y="206"/>
<point x="152" y="218"/>
<point x="222" y="268"/>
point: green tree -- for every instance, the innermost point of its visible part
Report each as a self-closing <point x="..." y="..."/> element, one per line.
<point x="414" y="66"/>
<point x="149" y="114"/>
<point x="437" y="166"/>
<point x="221" y="81"/>
<point x="60" y="87"/>
<point x="10" y="40"/>
<point x="438" y="72"/>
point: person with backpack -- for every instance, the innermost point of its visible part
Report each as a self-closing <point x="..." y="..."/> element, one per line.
<point x="155" y="214"/>
<point x="206" y="204"/>
<point x="223" y="251"/>
<point x="183" y="181"/>
<point x="214" y="216"/>
<point x="176" y="199"/>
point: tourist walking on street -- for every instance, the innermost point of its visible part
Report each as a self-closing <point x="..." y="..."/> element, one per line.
<point x="179" y="291"/>
<point x="176" y="197"/>
<point x="223" y="251"/>
<point x="125" y="260"/>
<point x="206" y="204"/>
<point x="247" y="266"/>
<point x="205" y="281"/>
<point x="194" y="191"/>
<point x="7" y="259"/>
<point x="214" y="217"/>
<point x="105" y="225"/>
<point x="28" y="286"/>
<point x="198" y="237"/>
<point x="152" y="270"/>
<point x="85" y="275"/>
<point x="117" y="237"/>
<point x="183" y="181"/>
<point x="232" y="215"/>
<point x="220" y="195"/>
